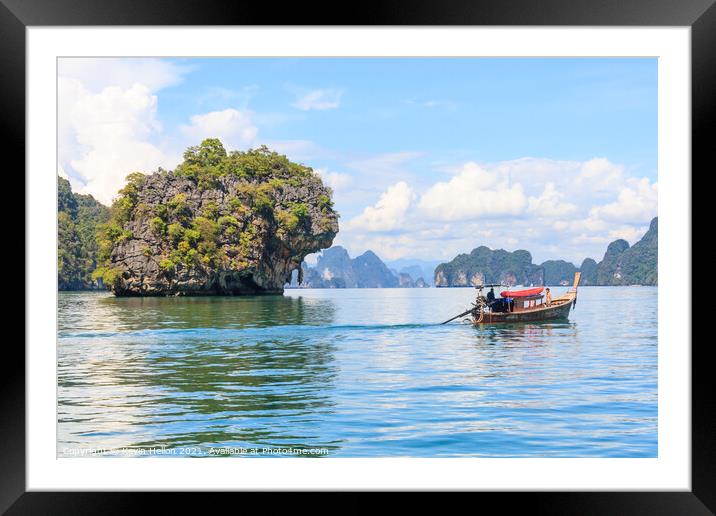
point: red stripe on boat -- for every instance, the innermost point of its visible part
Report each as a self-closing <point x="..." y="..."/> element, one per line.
<point x="522" y="293"/>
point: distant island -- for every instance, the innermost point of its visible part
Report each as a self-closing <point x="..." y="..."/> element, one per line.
<point x="624" y="265"/>
<point x="336" y="269"/>
<point x="621" y="265"/>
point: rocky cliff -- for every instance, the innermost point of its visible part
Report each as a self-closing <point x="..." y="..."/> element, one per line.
<point x="333" y="270"/>
<point x="336" y="269"/>
<point x="624" y="265"/>
<point x="558" y="272"/>
<point x="225" y="224"/>
<point x="422" y="271"/>
<point x="484" y="265"/>
<point x="589" y="272"/>
<point x="416" y="268"/>
<point x="372" y="272"/>
<point x="421" y="283"/>
<point x="405" y="280"/>
<point x="78" y="217"/>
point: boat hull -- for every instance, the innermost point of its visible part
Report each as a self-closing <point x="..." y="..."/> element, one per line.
<point x="555" y="311"/>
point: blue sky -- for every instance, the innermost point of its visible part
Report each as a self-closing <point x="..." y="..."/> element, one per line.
<point x="491" y="109"/>
<point x="427" y="157"/>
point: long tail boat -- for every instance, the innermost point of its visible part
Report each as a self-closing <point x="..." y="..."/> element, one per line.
<point x="521" y="306"/>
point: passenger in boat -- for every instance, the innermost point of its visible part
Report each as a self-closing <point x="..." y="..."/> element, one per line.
<point x="499" y="305"/>
<point x="548" y="297"/>
<point x="491" y="295"/>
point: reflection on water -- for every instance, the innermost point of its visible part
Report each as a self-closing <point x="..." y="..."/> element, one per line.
<point x="357" y="373"/>
<point x="97" y="312"/>
<point x="172" y="372"/>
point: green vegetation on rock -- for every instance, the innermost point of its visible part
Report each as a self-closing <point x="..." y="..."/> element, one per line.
<point x="78" y="217"/>
<point x="484" y="265"/>
<point x="208" y="162"/>
<point x="636" y="265"/>
<point x="589" y="272"/>
<point x="221" y="223"/>
<point x="558" y="272"/>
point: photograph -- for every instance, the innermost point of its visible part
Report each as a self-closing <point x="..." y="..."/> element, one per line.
<point x="358" y="257"/>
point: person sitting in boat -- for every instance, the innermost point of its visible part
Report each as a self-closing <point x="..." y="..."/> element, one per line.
<point x="547" y="297"/>
<point x="499" y="305"/>
<point x="491" y="295"/>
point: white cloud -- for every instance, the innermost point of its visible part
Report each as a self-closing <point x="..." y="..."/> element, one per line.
<point x="95" y="74"/>
<point x="108" y="125"/>
<point x="107" y="120"/>
<point x="222" y="96"/>
<point x="335" y="180"/>
<point x="539" y="170"/>
<point x="103" y="136"/>
<point x="234" y="128"/>
<point x="629" y="233"/>
<point x="69" y="93"/>
<point x="577" y="225"/>
<point x="388" y="213"/>
<point x="596" y="177"/>
<point x="549" y="203"/>
<point x="553" y="208"/>
<point x="319" y="100"/>
<point x="473" y="193"/>
<point x="599" y="175"/>
<point x="637" y="202"/>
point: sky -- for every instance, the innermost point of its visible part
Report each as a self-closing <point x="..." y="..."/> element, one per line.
<point x="427" y="157"/>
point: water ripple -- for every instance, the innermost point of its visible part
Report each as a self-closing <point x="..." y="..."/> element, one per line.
<point x="358" y="373"/>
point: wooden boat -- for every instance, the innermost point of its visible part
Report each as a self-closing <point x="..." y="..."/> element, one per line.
<point x="529" y="307"/>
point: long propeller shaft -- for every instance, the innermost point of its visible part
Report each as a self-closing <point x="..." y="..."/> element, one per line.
<point x="459" y="315"/>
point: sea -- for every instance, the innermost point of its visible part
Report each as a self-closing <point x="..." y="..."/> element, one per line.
<point x="320" y="373"/>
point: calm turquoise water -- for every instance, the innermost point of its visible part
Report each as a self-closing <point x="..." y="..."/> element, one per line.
<point x="355" y="373"/>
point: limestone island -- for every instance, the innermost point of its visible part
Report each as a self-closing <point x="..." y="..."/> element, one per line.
<point x="220" y="224"/>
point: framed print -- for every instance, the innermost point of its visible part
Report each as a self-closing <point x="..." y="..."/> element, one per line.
<point x="415" y="250"/>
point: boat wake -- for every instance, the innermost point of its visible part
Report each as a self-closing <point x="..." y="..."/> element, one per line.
<point x="250" y="330"/>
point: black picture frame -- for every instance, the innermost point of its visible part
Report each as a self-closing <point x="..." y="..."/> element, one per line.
<point x="700" y="15"/>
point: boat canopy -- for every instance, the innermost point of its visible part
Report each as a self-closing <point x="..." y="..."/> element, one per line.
<point x="522" y="293"/>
